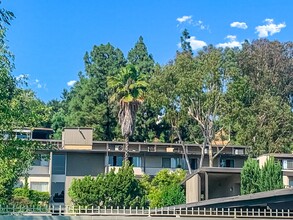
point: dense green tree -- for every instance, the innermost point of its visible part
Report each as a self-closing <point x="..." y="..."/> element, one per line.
<point x="140" y="58"/>
<point x="147" y="114"/>
<point x="89" y="103"/>
<point x="271" y="175"/>
<point x="250" y="177"/>
<point x="165" y="188"/>
<point x="129" y="87"/>
<point x="18" y="108"/>
<point x="257" y="101"/>
<point x="185" y="42"/>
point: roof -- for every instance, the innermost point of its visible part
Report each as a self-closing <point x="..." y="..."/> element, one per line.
<point x="213" y="170"/>
<point x="278" y="155"/>
<point x="255" y="199"/>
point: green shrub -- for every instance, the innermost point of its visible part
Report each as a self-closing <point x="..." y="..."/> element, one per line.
<point x="25" y="196"/>
<point x="111" y="189"/>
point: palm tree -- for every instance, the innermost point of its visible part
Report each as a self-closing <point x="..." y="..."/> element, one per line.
<point x="129" y="87"/>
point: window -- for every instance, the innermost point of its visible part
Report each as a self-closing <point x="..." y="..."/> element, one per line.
<point x="135" y="161"/>
<point x="226" y="163"/>
<point x="289" y="164"/>
<point x="58" y="164"/>
<point x="42" y="160"/>
<point x="171" y="163"/>
<point x="166" y="162"/>
<point x="57" y="192"/>
<point x="239" y="151"/>
<point x="39" y="186"/>
<point x="116" y="161"/>
<point x="193" y="163"/>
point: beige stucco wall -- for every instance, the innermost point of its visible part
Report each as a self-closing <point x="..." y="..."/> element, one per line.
<point x="286" y="180"/>
<point x="193" y="189"/>
<point x="74" y="137"/>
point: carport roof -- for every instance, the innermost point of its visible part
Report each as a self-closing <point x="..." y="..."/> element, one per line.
<point x="255" y="199"/>
<point x="228" y="170"/>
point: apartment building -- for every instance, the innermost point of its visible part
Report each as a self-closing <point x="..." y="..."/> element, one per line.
<point x="77" y="155"/>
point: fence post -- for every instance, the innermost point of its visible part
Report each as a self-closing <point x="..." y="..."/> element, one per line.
<point x="258" y="212"/>
<point x="60" y="211"/>
<point x="142" y="210"/>
<point x="99" y="209"/>
<point x="92" y="209"/>
<point x="235" y="214"/>
<point x="149" y="212"/>
<point x="288" y="212"/>
<point x="117" y="209"/>
<point x="192" y="211"/>
<point x="124" y="210"/>
<point x="282" y="212"/>
<point x="136" y="210"/>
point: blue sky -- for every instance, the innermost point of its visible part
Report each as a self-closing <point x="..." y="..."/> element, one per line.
<point x="50" y="38"/>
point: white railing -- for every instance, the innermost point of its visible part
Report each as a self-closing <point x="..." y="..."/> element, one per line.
<point x="147" y="212"/>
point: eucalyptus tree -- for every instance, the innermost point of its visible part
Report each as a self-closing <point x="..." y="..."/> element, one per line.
<point x="258" y="98"/>
<point x="129" y="88"/>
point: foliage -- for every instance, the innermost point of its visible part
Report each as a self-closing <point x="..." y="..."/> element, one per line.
<point x="271" y="175"/>
<point x="128" y="88"/>
<point x="87" y="104"/>
<point x="250" y="177"/>
<point x="112" y="189"/>
<point x="259" y="97"/>
<point x="165" y="188"/>
<point x="255" y="179"/>
<point x="25" y="196"/>
<point x="18" y="108"/>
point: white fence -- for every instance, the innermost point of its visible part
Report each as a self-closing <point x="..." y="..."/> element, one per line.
<point x="157" y="212"/>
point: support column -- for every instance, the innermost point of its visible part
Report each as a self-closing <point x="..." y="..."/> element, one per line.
<point x="206" y="186"/>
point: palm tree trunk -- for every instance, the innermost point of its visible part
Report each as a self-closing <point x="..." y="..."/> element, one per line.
<point x="126" y="153"/>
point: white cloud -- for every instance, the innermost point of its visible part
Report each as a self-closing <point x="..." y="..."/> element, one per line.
<point x="237" y="24"/>
<point x="184" y="18"/>
<point x="232" y="42"/>
<point x="194" y="43"/>
<point x="201" y="25"/>
<point x="269" y="28"/>
<point x="71" y="82"/>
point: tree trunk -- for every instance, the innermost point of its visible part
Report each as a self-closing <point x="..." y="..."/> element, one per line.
<point x="201" y="156"/>
<point x="126" y="150"/>
<point x="186" y="157"/>
<point x="211" y="159"/>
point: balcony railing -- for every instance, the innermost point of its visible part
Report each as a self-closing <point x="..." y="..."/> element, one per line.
<point x="136" y="147"/>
